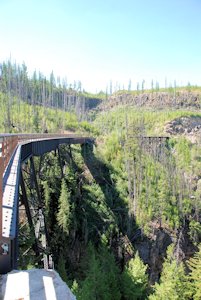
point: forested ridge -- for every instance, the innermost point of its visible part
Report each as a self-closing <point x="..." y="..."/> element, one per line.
<point x="26" y="101"/>
<point x="124" y="214"/>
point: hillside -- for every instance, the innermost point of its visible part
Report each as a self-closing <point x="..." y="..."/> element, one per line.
<point x="177" y="97"/>
<point x="33" y="104"/>
<point x="124" y="215"/>
<point x="131" y="193"/>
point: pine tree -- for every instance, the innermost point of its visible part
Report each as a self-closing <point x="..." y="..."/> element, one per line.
<point x="172" y="284"/>
<point x="61" y="268"/>
<point x="95" y="285"/>
<point x="195" y="276"/>
<point x="111" y="272"/>
<point x="75" y="288"/>
<point x="129" y="85"/>
<point x="134" y="279"/>
<point x="63" y="215"/>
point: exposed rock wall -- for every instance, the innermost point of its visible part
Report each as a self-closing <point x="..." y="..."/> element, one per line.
<point x="152" y="249"/>
<point x="155" y="100"/>
<point x="190" y="127"/>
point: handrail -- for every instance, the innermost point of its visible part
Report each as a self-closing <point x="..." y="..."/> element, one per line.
<point x="8" y="144"/>
<point x="15" y="149"/>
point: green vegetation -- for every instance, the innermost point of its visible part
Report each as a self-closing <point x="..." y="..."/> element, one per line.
<point x="36" y="104"/>
<point x="134" y="279"/>
<point x="29" y="118"/>
<point x="157" y="171"/>
<point x="194" y="279"/>
<point x="107" y="207"/>
<point x="90" y="214"/>
<point x="152" y="122"/>
<point x="157" y="89"/>
<point x="173" y="282"/>
<point x="63" y="215"/>
<point x="102" y="276"/>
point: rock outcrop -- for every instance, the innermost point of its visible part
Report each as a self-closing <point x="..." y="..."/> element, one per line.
<point x="190" y="127"/>
<point x="159" y="100"/>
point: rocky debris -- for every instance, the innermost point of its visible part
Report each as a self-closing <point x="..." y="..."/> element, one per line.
<point x="184" y="247"/>
<point x="122" y="249"/>
<point x="160" y="100"/>
<point x="34" y="284"/>
<point x="187" y="126"/>
<point x="152" y="248"/>
<point x="152" y="251"/>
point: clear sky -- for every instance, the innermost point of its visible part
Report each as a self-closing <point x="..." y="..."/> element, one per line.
<point x="96" y="41"/>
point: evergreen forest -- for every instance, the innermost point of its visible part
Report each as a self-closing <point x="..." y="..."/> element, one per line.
<point x="123" y="214"/>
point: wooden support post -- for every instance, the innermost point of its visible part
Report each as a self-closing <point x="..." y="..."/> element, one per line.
<point x="40" y="165"/>
<point x="39" y="196"/>
<point x="28" y="213"/>
<point x="60" y="162"/>
<point x="35" y="181"/>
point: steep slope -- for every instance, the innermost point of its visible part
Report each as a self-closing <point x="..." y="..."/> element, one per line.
<point x="162" y="179"/>
<point x="137" y="190"/>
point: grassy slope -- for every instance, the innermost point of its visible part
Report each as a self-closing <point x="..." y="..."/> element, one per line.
<point x="33" y="118"/>
<point x="154" y="121"/>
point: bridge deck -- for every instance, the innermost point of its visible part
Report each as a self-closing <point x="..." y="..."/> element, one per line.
<point x="10" y="194"/>
<point x="15" y="149"/>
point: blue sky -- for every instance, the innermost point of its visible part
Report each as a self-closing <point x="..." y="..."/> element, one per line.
<point x="102" y="40"/>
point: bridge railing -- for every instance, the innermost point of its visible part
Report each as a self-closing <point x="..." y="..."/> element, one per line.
<point x="12" y="157"/>
<point x="8" y="143"/>
<point x="7" y="147"/>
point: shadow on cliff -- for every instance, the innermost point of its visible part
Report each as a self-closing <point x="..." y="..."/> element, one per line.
<point x="95" y="211"/>
<point x="152" y="252"/>
<point x="101" y="173"/>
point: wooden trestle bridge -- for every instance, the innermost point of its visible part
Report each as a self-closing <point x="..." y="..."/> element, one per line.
<point x="16" y="155"/>
<point x="17" y="151"/>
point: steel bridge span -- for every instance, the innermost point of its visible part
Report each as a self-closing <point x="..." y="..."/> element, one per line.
<point x="17" y="151"/>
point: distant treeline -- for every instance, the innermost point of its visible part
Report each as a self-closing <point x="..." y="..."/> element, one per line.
<point x="38" y="90"/>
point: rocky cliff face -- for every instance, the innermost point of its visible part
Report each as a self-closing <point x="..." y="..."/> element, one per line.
<point x="155" y="100"/>
<point x="152" y="249"/>
<point x="190" y="127"/>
